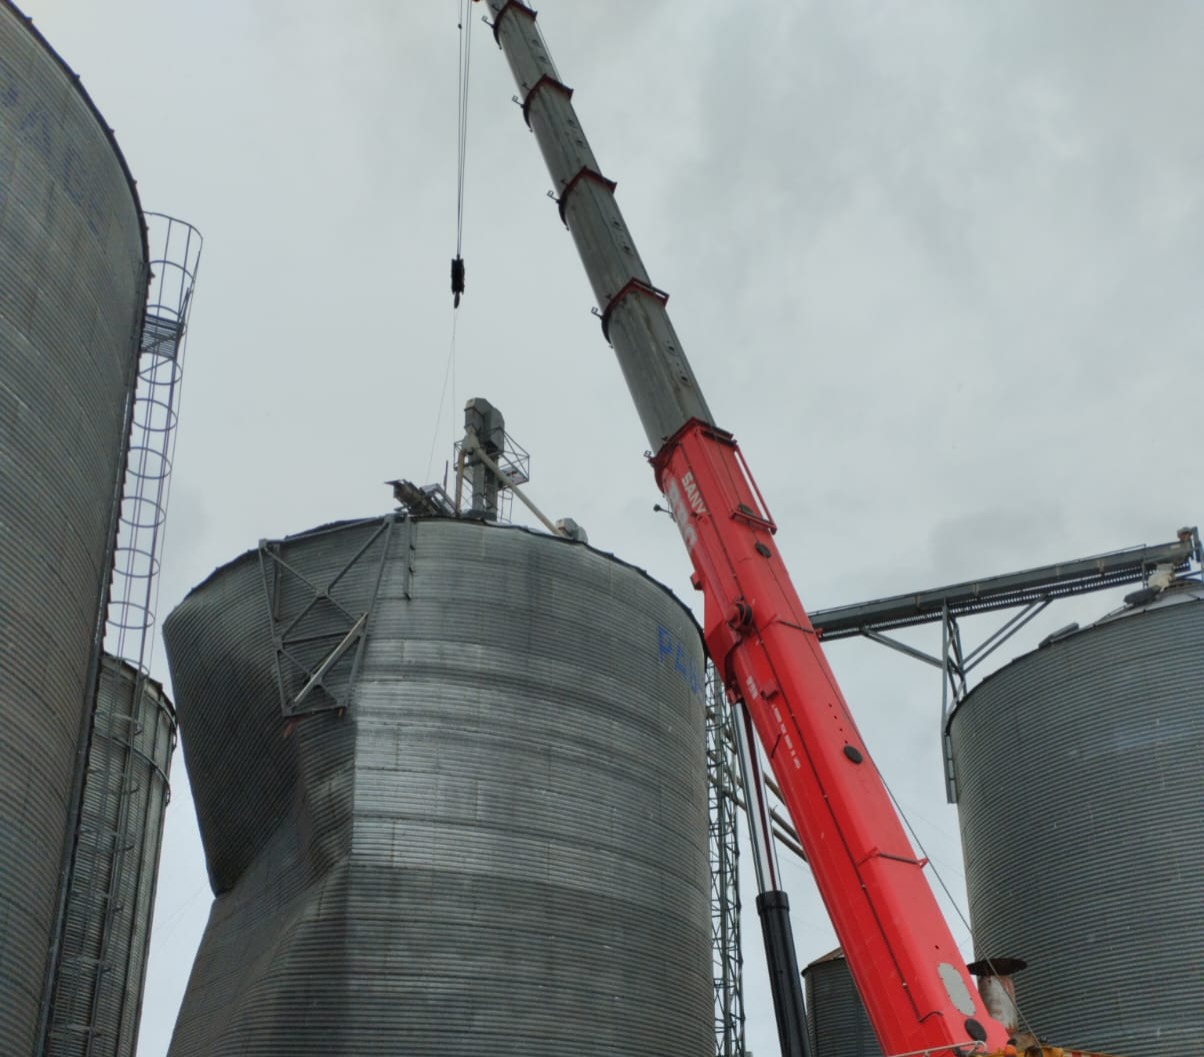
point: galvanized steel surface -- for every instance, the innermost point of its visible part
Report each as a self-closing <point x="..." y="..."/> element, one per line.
<point x="836" y="1016"/>
<point x="98" y="993"/>
<point x="72" y="283"/>
<point x="96" y="988"/>
<point x="499" y="847"/>
<point x="1081" y="771"/>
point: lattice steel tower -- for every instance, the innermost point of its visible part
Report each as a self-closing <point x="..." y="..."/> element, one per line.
<point x="723" y="784"/>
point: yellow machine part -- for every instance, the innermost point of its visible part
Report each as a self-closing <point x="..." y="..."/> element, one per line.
<point x="1043" y="1051"/>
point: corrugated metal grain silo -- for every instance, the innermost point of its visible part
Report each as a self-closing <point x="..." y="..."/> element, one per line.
<point x="836" y="1018"/>
<point x="72" y="288"/>
<point x="450" y="781"/>
<point x="98" y="992"/>
<point x="1080" y="770"/>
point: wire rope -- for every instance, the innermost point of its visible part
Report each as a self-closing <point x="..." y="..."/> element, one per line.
<point x="462" y="117"/>
<point x="464" y="64"/>
<point x="449" y="374"/>
<point x="944" y="887"/>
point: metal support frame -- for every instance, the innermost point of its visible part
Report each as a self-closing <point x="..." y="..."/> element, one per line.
<point x="104" y="839"/>
<point x="723" y="783"/>
<point x="470" y="449"/>
<point x="956" y="664"/>
<point x="1030" y="591"/>
<point x="511" y="468"/>
<point x="422" y="500"/>
<point x="1075" y="577"/>
<point x="318" y="641"/>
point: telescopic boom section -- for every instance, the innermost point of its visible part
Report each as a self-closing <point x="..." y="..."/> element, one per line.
<point x="903" y="958"/>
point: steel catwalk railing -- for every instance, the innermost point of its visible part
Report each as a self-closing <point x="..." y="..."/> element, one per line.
<point x="105" y="842"/>
<point x="133" y="599"/>
<point x="723" y="782"/>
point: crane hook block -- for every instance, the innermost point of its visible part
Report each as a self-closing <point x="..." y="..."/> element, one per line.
<point x="457" y="280"/>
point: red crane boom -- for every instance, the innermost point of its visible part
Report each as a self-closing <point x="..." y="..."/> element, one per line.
<point x="904" y="960"/>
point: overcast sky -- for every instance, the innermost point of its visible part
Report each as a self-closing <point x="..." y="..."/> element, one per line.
<point x="936" y="264"/>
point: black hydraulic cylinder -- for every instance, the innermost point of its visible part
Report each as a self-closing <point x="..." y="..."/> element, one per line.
<point x="784" y="978"/>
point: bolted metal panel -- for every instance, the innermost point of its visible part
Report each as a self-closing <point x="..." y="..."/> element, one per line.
<point x="836" y="1018"/>
<point x="485" y="833"/>
<point x="98" y="991"/>
<point x="72" y="284"/>
<point x="1080" y="768"/>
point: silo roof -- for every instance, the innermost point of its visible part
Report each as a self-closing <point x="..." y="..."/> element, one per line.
<point x="334" y="526"/>
<point x="1179" y="593"/>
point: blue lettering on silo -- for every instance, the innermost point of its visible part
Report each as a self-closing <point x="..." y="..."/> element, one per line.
<point x="673" y="653"/>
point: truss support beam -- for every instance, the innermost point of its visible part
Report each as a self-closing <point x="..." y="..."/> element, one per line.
<point x="318" y="640"/>
<point x="1010" y="590"/>
<point x="723" y="803"/>
<point x="1031" y="591"/>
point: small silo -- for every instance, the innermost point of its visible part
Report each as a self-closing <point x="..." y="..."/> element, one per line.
<point x="72" y="288"/>
<point x="98" y="989"/>
<point x="450" y="781"/>
<point x="836" y="1018"/>
<point x="1080" y="770"/>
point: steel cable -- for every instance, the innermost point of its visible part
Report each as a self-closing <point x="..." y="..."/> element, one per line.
<point x="462" y="74"/>
<point x="945" y="888"/>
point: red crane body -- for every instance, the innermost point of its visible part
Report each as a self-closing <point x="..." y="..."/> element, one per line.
<point x="906" y="965"/>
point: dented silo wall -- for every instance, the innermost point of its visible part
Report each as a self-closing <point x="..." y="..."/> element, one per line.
<point x="484" y="832"/>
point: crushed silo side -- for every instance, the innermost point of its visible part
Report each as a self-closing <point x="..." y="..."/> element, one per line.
<point x="475" y="825"/>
